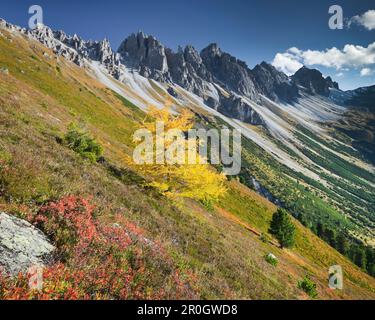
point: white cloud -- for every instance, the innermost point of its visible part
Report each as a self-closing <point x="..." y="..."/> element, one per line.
<point x="351" y="56"/>
<point x="340" y="74"/>
<point x="367" y="20"/>
<point x="365" y="72"/>
<point x="286" y="63"/>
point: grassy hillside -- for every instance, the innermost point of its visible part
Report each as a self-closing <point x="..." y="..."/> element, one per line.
<point x="199" y="253"/>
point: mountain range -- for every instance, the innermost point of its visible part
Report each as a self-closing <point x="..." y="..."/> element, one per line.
<point x="213" y="75"/>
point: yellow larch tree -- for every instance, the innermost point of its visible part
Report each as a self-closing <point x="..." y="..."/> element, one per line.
<point x="197" y="180"/>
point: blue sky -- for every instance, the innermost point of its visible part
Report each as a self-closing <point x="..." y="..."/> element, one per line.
<point x="250" y="30"/>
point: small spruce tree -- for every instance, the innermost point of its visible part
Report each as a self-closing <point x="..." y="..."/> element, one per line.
<point x="283" y="228"/>
<point x="343" y="244"/>
<point x="80" y="141"/>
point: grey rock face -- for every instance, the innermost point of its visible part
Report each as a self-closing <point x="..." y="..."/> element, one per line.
<point x="200" y="73"/>
<point x="230" y="72"/>
<point x="197" y="72"/>
<point x="46" y="36"/>
<point x="314" y="81"/>
<point x="331" y="83"/>
<point x="21" y="245"/>
<point x="235" y="107"/>
<point x="264" y="192"/>
<point x="173" y="92"/>
<point x="3" y="23"/>
<point x="274" y="84"/>
<point x="153" y="60"/>
<point x="147" y="54"/>
<point x="74" y="49"/>
<point x="187" y="70"/>
<point x="363" y="98"/>
<point x="193" y="71"/>
<point x="11" y="27"/>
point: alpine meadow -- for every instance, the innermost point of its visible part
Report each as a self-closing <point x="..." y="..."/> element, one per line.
<point x="151" y="173"/>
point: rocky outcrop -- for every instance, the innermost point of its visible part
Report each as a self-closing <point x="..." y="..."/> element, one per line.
<point x="217" y="77"/>
<point x="4" y="70"/>
<point x="237" y="108"/>
<point x="145" y="53"/>
<point x="74" y="49"/>
<point x="186" y="67"/>
<point x="331" y="83"/>
<point x="264" y="192"/>
<point x="22" y="245"/>
<point x="187" y="70"/>
<point x="153" y="60"/>
<point x="274" y="84"/>
<point x="195" y="72"/>
<point x="362" y="98"/>
<point x="358" y="121"/>
<point x="314" y="81"/>
<point x="11" y="27"/>
<point x="231" y="73"/>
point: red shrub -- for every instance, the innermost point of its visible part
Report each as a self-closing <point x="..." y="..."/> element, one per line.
<point x="69" y="222"/>
<point x="102" y="261"/>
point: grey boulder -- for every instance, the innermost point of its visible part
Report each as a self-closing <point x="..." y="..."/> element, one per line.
<point x="22" y="245"/>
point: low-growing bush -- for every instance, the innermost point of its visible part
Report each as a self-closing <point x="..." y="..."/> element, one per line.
<point x="69" y="222"/>
<point x="271" y="259"/>
<point x="80" y="141"/>
<point x="101" y="260"/>
<point x="307" y="285"/>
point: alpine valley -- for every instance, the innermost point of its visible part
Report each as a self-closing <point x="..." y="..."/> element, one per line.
<point x="307" y="147"/>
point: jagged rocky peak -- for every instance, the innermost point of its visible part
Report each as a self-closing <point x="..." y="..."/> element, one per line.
<point x="6" y="25"/>
<point x="101" y="51"/>
<point x="50" y="39"/>
<point x="145" y="52"/>
<point x="231" y="73"/>
<point x="314" y="81"/>
<point x="265" y="67"/>
<point x="153" y="60"/>
<point x="187" y="69"/>
<point x="74" y="48"/>
<point x="195" y="72"/>
<point x="43" y="34"/>
<point x="201" y="73"/>
<point x="134" y="46"/>
<point x="274" y="84"/>
<point x="191" y="56"/>
<point x="331" y="83"/>
<point x="212" y="50"/>
<point x="94" y="50"/>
